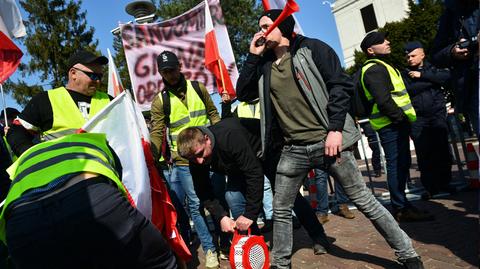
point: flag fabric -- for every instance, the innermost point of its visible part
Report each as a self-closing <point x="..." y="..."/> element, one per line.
<point x="11" y="23"/>
<point x="213" y="60"/>
<point x="280" y="4"/>
<point x="115" y="86"/>
<point x="10" y="56"/>
<point x="128" y="135"/>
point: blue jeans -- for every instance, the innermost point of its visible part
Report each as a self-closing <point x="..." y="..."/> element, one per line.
<point x="295" y="162"/>
<point x="267" y="199"/>
<point x="180" y="181"/>
<point x="321" y="181"/>
<point x="395" y="140"/>
<point x="236" y="201"/>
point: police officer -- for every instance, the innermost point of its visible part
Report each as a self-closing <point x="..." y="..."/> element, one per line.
<point x="429" y="132"/>
<point x="391" y="116"/>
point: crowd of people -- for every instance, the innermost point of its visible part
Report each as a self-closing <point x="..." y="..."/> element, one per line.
<point x="293" y="116"/>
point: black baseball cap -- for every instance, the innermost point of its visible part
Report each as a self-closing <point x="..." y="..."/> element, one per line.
<point x="286" y="26"/>
<point x="372" y="38"/>
<point x="167" y="60"/>
<point x="411" y="46"/>
<point x="86" y="57"/>
<point x="12" y="113"/>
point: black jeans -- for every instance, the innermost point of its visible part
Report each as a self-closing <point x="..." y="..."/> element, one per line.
<point x="88" y="225"/>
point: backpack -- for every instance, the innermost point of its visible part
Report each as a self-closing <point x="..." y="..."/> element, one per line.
<point x="361" y="106"/>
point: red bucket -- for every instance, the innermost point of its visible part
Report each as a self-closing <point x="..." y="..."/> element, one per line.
<point x="248" y="252"/>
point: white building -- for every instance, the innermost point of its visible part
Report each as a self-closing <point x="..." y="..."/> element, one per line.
<point x="355" y="18"/>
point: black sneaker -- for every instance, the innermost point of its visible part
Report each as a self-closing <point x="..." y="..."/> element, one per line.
<point x="321" y="245"/>
<point x="412" y="263"/>
<point x="412" y="214"/>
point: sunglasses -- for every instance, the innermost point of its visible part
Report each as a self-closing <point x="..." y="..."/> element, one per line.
<point x="93" y="76"/>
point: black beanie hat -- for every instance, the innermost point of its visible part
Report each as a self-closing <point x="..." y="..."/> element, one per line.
<point x="286" y="26"/>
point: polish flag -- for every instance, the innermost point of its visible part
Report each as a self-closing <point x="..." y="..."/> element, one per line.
<point x="10" y="56"/>
<point x="127" y="134"/>
<point x="213" y="60"/>
<point x="280" y="4"/>
<point x="11" y="25"/>
<point x="115" y="86"/>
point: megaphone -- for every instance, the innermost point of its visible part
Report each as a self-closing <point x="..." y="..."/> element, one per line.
<point x="290" y="8"/>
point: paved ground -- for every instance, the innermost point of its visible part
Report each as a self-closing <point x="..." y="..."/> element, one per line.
<point x="450" y="241"/>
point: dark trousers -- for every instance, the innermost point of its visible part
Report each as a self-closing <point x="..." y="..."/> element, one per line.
<point x="88" y="225"/>
<point x="302" y="208"/>
<point x="433" y="156"/>
<point x="395" y="142"/>
<point x="373" y="145"/>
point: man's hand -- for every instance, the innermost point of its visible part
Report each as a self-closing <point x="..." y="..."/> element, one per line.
<point x="254" y="49"/>
<point x="460" y="54"/>
<point x="227" y="225"/>
<point x="333" y="144"/>
<point x="415" y="74"/>
<point x="243" y="223"/>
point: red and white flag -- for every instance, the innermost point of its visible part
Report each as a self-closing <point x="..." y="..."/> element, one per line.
<point x="127" y="134"/>
<point x="213" y="60"/>
<point x="11" y="25"/>
<point x="280" y="4"/>
<point x="10" y="56"/>
<point x="115" y="86"/>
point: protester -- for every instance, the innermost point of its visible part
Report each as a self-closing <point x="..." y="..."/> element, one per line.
<point x="456" y="47"/>
<point x="181" y="104"/>
<point x="63" y="110"/>
<point x="67" y="208"/>
<point x="226" y="148"/>
<point x="305" y="97"/>
<point x="430" y="131"/>
<point x="391" y="116"/>
<point x="251" y="110"/>
<point x="341" y="199"/>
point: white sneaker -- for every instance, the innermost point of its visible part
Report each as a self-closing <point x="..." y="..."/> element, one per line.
<point x="211" y="260"/>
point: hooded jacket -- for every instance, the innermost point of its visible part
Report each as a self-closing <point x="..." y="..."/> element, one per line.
<point x="326" y="88"/>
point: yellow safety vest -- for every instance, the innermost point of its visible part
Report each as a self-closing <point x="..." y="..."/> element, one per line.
<point x="399" y="95"/>
<point x="13" y="157"/>
<point x="67" y="118"/>
<point x="246" y="110"/>
<point x="181" y="117"/>
<point x="50" y="160"/>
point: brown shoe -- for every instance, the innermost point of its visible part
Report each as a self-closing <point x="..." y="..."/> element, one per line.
<point x="345" y="212"/>
<point x="322" y="217"/>
<point x="412" y="214"/>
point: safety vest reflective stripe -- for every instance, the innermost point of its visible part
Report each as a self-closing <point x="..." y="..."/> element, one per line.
<point x="399" y="95"/>
<point x="51" y="136"/>
<point x="50" y="160"/>
<point x="62" y="146"/>
<point x="179" y="122"/>
<point x="379" y="114"/>
<point x="66" y="114"/>
<point x="198" y="113"/>
<point x="181" y="116"/>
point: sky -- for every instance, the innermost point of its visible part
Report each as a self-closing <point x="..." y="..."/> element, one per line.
<point x="315" y="18"/>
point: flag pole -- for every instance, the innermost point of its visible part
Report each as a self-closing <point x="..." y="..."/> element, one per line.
<point x="221" y="75"/>
<point x="4" y="105"/>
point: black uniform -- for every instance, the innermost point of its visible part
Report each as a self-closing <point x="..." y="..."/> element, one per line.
<point x="429" y="132"/>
